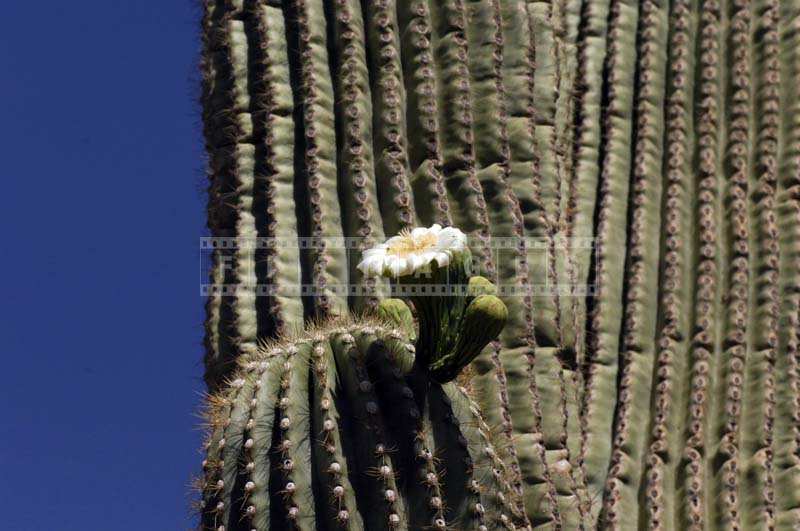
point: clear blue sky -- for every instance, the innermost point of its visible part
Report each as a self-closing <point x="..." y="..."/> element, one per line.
<point x="102" y="207"/>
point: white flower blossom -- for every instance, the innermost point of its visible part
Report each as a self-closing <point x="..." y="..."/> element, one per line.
<point x="414" y="251"/>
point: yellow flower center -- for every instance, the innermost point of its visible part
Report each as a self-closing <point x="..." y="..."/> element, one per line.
<point x="406" y="244"/>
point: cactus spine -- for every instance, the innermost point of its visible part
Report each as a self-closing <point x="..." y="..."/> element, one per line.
<point x="668" y="133"/>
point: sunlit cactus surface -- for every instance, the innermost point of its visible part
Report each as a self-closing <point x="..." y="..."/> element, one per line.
<point x="628" y="175"/>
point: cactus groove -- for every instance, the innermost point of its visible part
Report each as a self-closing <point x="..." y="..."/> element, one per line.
<point x="667" y="133"/>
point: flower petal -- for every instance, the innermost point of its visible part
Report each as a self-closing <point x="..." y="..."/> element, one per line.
<point x="419" y="232"/>
<point x="442" y="259"/>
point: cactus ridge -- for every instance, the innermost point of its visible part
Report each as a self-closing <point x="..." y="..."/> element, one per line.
<point x="667" y="133"/>
<point x="325" y="428"/>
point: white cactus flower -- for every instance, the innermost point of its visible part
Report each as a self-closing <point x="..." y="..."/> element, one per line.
<point x="413" y="251"/>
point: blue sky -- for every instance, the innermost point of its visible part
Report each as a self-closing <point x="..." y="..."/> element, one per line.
<point x="102" y="207"/>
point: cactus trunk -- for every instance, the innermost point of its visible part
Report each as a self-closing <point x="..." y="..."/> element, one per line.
<point x="646" y="151"/>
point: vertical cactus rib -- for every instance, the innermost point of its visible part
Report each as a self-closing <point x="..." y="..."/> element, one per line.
<point x="493" y="153"/>
<point x="273" y="136"/>
<point x="723" y="494"/>
<point x="240" y="162"/>
<point x="214" y="505"/>
<point x="675" y="296"/>
<point x="489" y="484"/>
<point x="335" y="496"/>
<point x="296" y="440"/>
<point x="374" y="450"/>
<point x="557" y="154"/>
<point x="759" y="405"/>
<point x="389" y="103"/>
<point x="787" y="413"/>
<point x="228" y="127"/>
<point x="425" y="451"/>
<point x="566" y="34"/>
<point x="703" y="346"/>
<point x="641" y="292"/>
<point x="268" y="385"/>
<point x="603" y="325"/>
<point x="425" y="486"/>
<point x="451" y="47"/>
<point x="564" y="464"/>
<point x="545" y="41"/>
<point x="468" y="208"/>
<point x="400" y="386"/>
<point x="356" y="166"/>
<point x="533" y="313"/>
<point x="422" y="113"/>
<point x="241" y="495"/>
<point x="588" y="86"/>
<point x="317" y="170"/>
<point x="214" y="341"/>
<point x="468" y="490"/>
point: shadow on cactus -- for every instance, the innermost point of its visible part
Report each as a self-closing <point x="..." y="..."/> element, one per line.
<point x="355" y="424"/>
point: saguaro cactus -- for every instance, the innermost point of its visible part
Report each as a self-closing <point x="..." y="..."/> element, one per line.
<point x="341" y="427"/>
<point x="667" y="134"/>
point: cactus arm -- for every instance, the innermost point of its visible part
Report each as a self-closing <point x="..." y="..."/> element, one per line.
<point x="356" y="174"/>
<point x="787" y="414"/>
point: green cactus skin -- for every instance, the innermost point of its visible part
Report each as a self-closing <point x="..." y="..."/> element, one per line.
<point x="667" y="132"/>
<point x="336" y="429"/>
